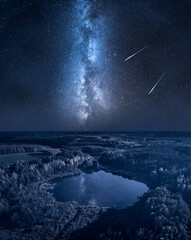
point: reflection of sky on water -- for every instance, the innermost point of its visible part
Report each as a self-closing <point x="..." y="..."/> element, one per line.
<point x="92" y="202"/>
<point x="82" y="186"/>
<point x="99" y="189"/>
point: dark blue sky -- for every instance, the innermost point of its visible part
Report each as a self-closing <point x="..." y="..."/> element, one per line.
<point x="62" y="65"/>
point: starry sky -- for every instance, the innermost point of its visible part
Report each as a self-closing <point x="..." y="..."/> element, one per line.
<point x="62" y="65"/>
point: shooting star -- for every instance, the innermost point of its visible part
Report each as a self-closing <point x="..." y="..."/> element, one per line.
<point x="135" y="53"/>
<point x="156" y="84"/>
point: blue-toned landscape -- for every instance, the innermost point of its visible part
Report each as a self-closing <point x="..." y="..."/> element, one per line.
<point x="133" y="185"/>
<point x="95" y="113"/>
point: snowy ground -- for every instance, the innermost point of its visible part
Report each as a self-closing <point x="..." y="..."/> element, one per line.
<point x="29" y="161"/>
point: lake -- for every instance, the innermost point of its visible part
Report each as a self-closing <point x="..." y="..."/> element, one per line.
<point x="102" y="189"/>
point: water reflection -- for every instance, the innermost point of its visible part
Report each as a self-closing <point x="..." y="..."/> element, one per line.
<point x="99" y="189"/>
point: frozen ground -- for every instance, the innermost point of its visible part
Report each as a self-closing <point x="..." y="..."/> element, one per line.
<point x="29" y="161"/>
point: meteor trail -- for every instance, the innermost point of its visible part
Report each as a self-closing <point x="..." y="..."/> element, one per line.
<point x="156" y="84"/>
<point x="135" y="53"/>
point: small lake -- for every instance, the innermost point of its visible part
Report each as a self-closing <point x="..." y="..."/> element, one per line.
<point x="8" y="159"/>
<point x="100" y="189"/>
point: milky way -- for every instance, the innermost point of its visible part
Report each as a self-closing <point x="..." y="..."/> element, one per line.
<point x="90" y="95"/>
<point x="62" y="65"/>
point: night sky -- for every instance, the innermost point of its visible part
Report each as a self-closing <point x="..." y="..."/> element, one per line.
<point x="62" y="65"/>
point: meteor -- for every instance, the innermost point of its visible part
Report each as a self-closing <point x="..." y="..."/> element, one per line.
<point x="135" y="53"/>
<point x="156" y="84"/>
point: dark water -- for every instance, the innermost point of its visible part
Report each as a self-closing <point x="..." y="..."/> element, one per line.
<point x="99" y="189"/>
<point x="7" y="159"/>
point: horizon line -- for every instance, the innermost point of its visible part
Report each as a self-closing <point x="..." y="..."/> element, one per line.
<point x="96" y="131"/>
